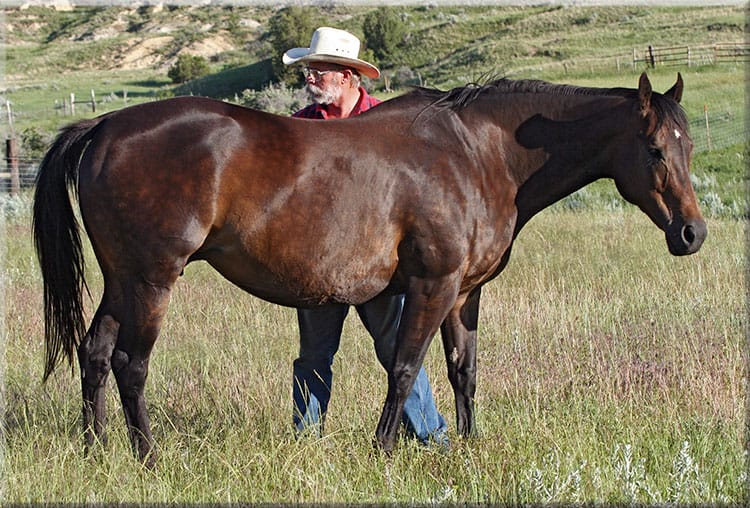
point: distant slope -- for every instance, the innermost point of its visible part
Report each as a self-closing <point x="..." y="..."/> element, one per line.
<point x="445" y="45"/>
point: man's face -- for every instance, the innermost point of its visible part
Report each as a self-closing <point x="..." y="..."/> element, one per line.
<point x="323" y="83"/>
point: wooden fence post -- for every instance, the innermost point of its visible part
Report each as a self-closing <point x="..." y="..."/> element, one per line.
<point x="708" y="129"/>
<point x="72" y="104"/>
<point x="651" y="58"/>
<point x="93" y="101"/>
<point x="11" y="156"/>
<point x="10" y="117"/>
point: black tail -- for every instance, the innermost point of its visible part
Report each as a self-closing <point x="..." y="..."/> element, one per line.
<point x="58" y="243"/>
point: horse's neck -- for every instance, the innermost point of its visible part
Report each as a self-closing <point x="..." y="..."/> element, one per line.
<point x="547" y="185"/>
<point x="575" y="154"/>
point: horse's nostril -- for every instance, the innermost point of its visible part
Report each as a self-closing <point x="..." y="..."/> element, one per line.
<point x="688" y="235"/>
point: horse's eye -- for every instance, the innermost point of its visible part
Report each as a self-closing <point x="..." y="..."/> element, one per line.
<point x="656" y="153"/>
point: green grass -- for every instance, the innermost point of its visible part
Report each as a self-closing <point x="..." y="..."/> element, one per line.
<point x="38" y="103"/>
<point x="230" y="82"/>
<point x="609" y="371"/>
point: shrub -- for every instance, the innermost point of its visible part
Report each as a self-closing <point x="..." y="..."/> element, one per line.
<point x="188" y="68"/>
<point x="291" y="27"/>
<point x="34" y="143"/>
<point x="404" y="77"/>
<point x="279" y="99"/>
<point x="384" y="34"/>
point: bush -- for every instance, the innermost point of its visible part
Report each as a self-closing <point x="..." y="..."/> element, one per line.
<point x="34" y="143"/>
<point x="404" y="77"/>
<point x="291" y="27"/>
<point x="384" y="34"/>
<point x="188" y="68"/>
<point x="278" y="99"/>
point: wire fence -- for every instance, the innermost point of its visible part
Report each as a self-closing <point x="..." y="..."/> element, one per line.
<point x="718" y="130"/>
<point x="27" y="169"/>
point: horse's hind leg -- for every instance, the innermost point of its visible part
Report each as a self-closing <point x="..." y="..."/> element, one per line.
<point x="144" y="307"/>
<point x="94" y="358"/>
<point x="459" y="333"/>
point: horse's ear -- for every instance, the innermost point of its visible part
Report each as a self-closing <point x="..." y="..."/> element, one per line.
<point x="644" y="93"/>
<point x="676" y="91"/>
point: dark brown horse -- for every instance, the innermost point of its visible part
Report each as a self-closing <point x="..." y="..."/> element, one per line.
<point x="423" y="195"/>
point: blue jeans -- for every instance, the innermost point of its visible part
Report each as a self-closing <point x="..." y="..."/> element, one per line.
<point x="320" y="334"/>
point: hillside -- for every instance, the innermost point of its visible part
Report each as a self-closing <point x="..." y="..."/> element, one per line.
<point x="448" y="44"/>
<point x="122" y="54"/>
<point x="119" y="38"/>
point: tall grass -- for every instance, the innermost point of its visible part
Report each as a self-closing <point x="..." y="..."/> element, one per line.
<point x="609" y="371"/>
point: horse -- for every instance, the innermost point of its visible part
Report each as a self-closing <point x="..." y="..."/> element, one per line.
<point x="422" y="195"/>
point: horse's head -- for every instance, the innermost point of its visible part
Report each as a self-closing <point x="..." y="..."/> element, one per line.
<point x="654" y="174"/>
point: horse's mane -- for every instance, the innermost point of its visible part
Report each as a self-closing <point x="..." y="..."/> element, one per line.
<point x="459" y="98"/>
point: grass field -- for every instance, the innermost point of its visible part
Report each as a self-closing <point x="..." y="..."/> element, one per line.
<point x="608" y="371"/>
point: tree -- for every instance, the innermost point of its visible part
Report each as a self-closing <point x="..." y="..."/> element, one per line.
<point x="188" y="68"/>
<point x="384" y="33"/>
<point x="291" y="27"/>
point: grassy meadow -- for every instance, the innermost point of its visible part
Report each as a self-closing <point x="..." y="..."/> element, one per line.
<point x="609" y="371"/>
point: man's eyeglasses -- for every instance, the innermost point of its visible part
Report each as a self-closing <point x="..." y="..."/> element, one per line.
<point x="315" y="73"/>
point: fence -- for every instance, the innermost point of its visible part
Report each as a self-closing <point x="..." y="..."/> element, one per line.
<point x="68" y="105"/>
<point x="22" y="176"/>
<point x="736" y="52"/>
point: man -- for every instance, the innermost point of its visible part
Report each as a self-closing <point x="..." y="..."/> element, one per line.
<point x="332" y="75"/>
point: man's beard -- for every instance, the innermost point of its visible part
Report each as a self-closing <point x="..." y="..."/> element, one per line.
<point x="320" y="96"/>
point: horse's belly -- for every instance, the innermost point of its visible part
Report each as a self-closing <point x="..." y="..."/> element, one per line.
<point x="299" y="283"/>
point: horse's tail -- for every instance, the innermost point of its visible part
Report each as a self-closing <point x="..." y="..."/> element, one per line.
<point x="58" y="243"/>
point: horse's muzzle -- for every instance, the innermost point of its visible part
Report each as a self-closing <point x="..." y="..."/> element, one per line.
<point x="686" y="237"/>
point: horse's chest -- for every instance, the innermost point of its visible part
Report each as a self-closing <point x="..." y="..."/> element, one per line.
<point x="489" y="243"/>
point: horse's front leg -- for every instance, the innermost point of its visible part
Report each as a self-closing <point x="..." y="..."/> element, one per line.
<point x="427" y="303"/>
<point x="459" y="333"/>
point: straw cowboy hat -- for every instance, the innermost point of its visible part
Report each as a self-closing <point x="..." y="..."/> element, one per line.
<point x="332" y="45"/>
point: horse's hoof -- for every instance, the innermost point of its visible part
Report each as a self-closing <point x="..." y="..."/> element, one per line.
<point x="384" y="445"/>
<point x="148" y="460"/>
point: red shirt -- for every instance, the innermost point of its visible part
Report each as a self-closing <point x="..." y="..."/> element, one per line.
<point x="320" y="111"/>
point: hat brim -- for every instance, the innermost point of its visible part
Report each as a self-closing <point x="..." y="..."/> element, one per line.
<point x="303" y="55"/>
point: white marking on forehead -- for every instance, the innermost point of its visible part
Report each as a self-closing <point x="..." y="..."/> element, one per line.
<point x="677" y="134"/>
